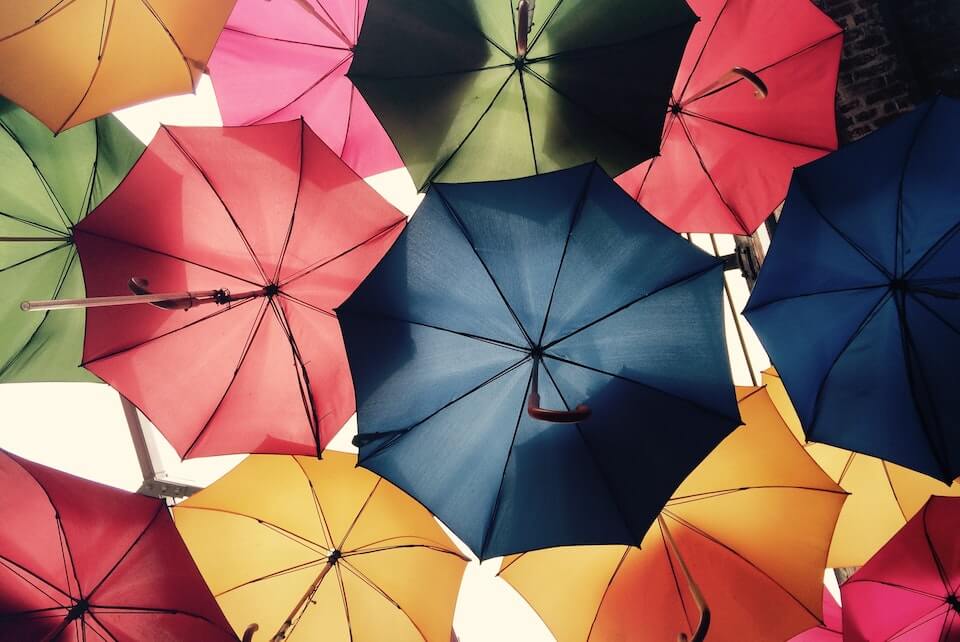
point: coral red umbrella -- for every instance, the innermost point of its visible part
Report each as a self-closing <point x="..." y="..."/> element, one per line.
<point x="753" y="99"/>
<point x="251" y="236"/>
<point x="287" y="58"/>
<point x="832" y="628"/>
<point x="910" y="590"/>
<point x="83" y="561"/>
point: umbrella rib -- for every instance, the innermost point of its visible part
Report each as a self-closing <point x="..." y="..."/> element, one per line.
<point x="696" y="64"/>
<point x="183" y="56"/>
<point x="106" y="28"/>
<point x="308" y="544"/>
<point x="59" y="234"/>
<point x="476" y="337"/>
<point x="283" y="40"/>
<point x="430" y="547"/>
<point x="343" y="597"/>
<point x="93" y="172"/>
<point x="526" y="111"/>
<point x="927" y="617"/>
<point x="309" y="306"/>
<point x="748" y="562"/>
<point x="466" y="235"/>
<point x="303" y="379"/>
<point x="160" y="507"/>
<point x="716" y="188"/>
<point x="324" y="526"/>
<point x="145" y="610"/>
<point x="898" y="243"/>
<point x="804" y="189"/>
<point x="326" y="74"/>
<point x="46" y="612"/>
<point x="543" y="27"/>
<point x="243" y="355"/>
<point x="165" y="254"/>
<point x="57" y="205"/>
<point x="932" y="311"/>
<point x="809" y="294"/>
<point x="932" y="250"/>
<point x="676" y="500"/>
<point x="474" y="27"/>
<point x="614" y="496"/>
<point x="139" y="344"/>
<point x="909" y="589"/>
<point x="675" y="282"/>
<point x="594" y="48"/>
<point x="83" y="620"/>
<point x="395" y="435"/>
<point x="893" y="491"/>
<point x="492" y="520"/>
<point x="384" y="595"/>
<point x="37" y="256"/>
<point x="327" y="260"/>
<point x="853" y="337"/>
<point x="296" y="202"/>
<point x="574" y="217"/>
<point x="59" y="6"/>
<point x="103" y="626"/>
<point x="269" y="576"/>
<point x="918" y="383"/>
<point x="189" y="157"/>
<point x="668" y="127"/>
<point x="356" y="517"/>
<point x="441" y="166"/>
<point x="18" y="570"/>
<point x="606" y="590"/>
<point x="933" y="551"/>
<point x="744" y="130"/>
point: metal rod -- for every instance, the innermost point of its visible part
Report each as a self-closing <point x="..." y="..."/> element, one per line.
<point x="580" y="413"/>
<point x="33" y="239"/>
<point x="140" y="447"/>
<point x="701" y="633"/>
<point x="183" y="300"/>
<point x="307" y="597"/>
<point x="736" y="317"/>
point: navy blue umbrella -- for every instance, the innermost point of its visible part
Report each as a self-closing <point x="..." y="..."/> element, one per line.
<point x="539" y="362"/>
<point x="858" y="302"/>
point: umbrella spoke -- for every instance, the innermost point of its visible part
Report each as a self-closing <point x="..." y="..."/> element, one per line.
<point x="133" y="544"/>
<point x="281" y="573"/>
<point x="57" y="234"/>
<point x="909" y="589"/>
<point x="57" y="206"/>
<point x="314" y="547"/>
<point x="324" y="526"/>
<point x="366" y="580"/>
<point x="926" y="618"/>
<point x="357" y="516"/>
<point x="744" y="130"/>
<point x="367" y="550"/>
<point x="309" y="88"/>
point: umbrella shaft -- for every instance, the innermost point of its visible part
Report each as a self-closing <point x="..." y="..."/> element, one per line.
<point x="33" y="239"/>
<point x="301" y="605"/>
<point x="195" y="298"/>
<point x="701" y="603"/>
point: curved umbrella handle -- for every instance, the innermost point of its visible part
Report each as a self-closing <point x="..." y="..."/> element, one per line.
<point x="760" y="87"/>
<point x="524" y="24"/>
<point x="737" y="73"/>
<point x="580" y="413"/>
<point x="704" y="625"/>
<point x="248" y="634"/>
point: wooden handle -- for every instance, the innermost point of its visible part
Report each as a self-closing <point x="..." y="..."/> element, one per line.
<point x="248" y="634"/>
<point x="524" y="23"/>
<point x="759" y="86"/>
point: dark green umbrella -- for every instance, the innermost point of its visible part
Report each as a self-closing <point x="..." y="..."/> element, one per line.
<point x="47" y="185"/>
<point x="448" y="81"/>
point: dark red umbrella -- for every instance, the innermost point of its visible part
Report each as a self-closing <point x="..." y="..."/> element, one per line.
<point x="910" y="590"/>
<point x="754" y="98"/>
<point x="253" y="235"/>
<point x="83" y="561"/>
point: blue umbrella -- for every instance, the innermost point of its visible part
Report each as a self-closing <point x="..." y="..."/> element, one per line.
<point x="539" y="362"/>
<point x="858" y="302"/>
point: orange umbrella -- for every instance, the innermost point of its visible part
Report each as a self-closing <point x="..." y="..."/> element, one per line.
<point x="69" y="61"/>
<point x="883" y="496"/>
<point x="752" y="524"/>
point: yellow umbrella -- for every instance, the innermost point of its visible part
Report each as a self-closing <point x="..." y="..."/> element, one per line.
<point x="68" y="61"/>
<point x="752" y="524"/>
<point x="313" y="549"/>
<point x="883" y="496"/>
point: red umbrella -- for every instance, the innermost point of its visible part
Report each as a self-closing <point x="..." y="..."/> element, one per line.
<point x="753" y="99"/>
<point x="83" y="561"/>
<point x="832" y="628"/>
<point x="909" y="590"/>
<point x="253" y="235"/>
<point x="286" y="58"/>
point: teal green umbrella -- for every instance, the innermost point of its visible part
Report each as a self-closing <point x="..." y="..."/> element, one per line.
<point x="47" y="185"/>
<point x="474" y="90"/>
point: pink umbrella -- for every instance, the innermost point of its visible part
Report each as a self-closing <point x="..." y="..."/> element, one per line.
<point x="832" y="628"/>
<point x="908" y="591"/>
<point x="283" y="59"/>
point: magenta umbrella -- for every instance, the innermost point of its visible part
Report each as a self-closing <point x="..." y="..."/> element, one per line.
<point x="283" y="59"/>
<point x="908" y="591"/>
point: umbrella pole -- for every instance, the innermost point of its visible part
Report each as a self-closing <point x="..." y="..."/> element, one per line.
<point x="167" y="300"/>
<point x="302" y="604"/>
<point x="32" y="239"/>
<point x="701" y="633"/>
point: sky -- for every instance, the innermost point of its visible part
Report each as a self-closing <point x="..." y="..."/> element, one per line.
<point x="80" y="428"/>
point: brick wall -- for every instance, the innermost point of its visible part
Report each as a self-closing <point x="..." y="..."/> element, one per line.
<point x="896" y="53"/>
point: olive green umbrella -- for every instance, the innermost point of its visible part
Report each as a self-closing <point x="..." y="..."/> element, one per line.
<point x="472" y="90"/>
<point x="47" y="184"/>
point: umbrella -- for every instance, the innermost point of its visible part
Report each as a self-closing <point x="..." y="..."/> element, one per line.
<point x="286" y="58"/>
<point x="83" y="561"/>
<point x="754" y="99"/>
<point x="47" y="185"/>
<point x="479" y="91"/>
<point x="910" y="590"/>
<point x="69" y="62"/>
<point x="832" y="628"/>
<point x="883" y="496"/>
<point x="856" y="303"/>
<point x="559" y="284"/>
<point x="322" y="550"/>
<point x="249" y="236"/>
<point x="751" y="526"/>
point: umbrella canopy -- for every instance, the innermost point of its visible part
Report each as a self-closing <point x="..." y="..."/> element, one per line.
<point x="68" y="62"/>
<point x="462" y="103"/>
<point x="754" y="98"/>
<point x="910" y="590"/>
<point x="287" y="58"/>
<point x="832" y="628"/>
<point x="752" y="524"/>
<point x="322" y="550"/>
<point x="47" y="185"/>
<point x="883" y="496"/>
<point x="83" y="561"/>
<point x="856" y="303"/>
<point x="277" y="231"/>
<point x="504" y="299"/>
